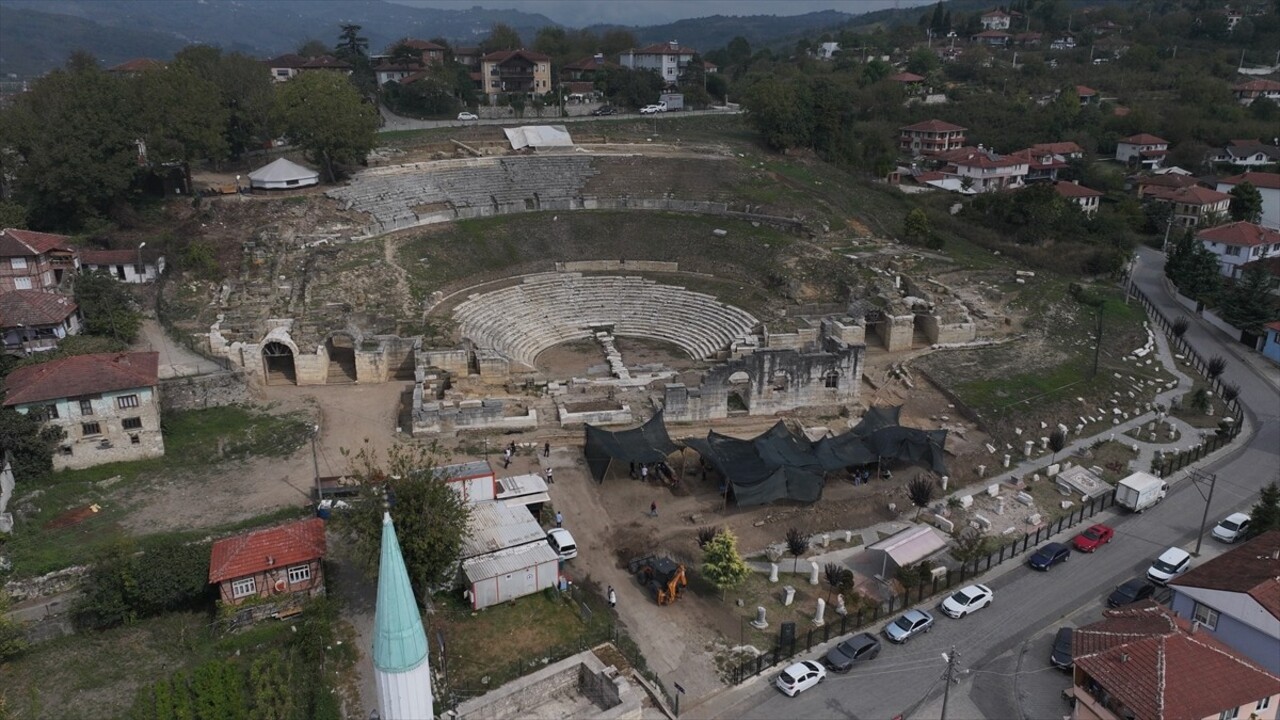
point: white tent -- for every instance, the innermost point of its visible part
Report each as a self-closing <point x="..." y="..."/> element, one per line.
<point x="283" y="174"/>
<point x="538" y="136"/>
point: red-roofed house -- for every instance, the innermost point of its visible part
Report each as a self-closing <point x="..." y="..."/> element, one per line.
<point x="1143" y="662"/>
<point x="987" y="171"/>
<point x="585" y="69"/>
<point x="907" y="78"/>
<point x="668" y="59"/>
<point x="428" y="52"/>
<point x="1043" y="164"/>
<point x="127" y="266"/>
<point x="285" y="67"/>
<point x="107" y="404"/>
<point x="1247" y="92"/>
<point x="1086" y="94"/>
<point x="1142" y="149"/>
<point x="1236" y="596"/>
<point x="32" y="260"/>
<point x="1246" y="154"/>
<point x="993" y="38"/>
<point x="1086" y="198"/>
<point x="515" y="71"/>
<point x="135" y="66"/>
<point x="931" y="137"/>
<point x="1268" y="185"/>
<point x="1238" y="243"/>
<point x="282" y="562"/>
<point x="468" y="55"/>
<point x="34" y="321"/>
<point x="1192" y="205"/>
<point x="996" y="20"/>
<point x="390" y="71"/>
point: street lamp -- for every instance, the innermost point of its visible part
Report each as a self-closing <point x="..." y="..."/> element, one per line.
<point x="141" y="270"/>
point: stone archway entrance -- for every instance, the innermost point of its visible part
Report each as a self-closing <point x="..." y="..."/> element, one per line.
<point x="342" y="359"/>
<point x="278" y="361"/>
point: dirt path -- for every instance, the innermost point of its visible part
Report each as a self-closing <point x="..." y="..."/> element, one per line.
<point x="390" y="250"/>
<point x="175" y="360"/>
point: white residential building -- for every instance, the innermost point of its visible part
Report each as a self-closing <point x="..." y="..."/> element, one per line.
<point x="1238" y="243"/>
<point x="667" y="59"/>
<point x="1268" y="185"/>
<point x="1142" y="149"/>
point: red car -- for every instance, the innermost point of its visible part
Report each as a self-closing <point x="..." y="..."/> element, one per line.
<point x="1093" y="538"/>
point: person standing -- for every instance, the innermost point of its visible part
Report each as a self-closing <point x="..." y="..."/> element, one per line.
<point x="644" y="473"/>
<point x="613" y="598"/>
<point x="653" y="509"/>
<point x="506" y="458"/>
<point x="550" y="480"/>
<point x="559" y="519"/>
<point x="546" y="450"/>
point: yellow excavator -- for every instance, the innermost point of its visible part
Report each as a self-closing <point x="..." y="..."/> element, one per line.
<point x="663" y="577"/>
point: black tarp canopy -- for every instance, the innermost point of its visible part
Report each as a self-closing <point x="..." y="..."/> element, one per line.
<point x="879" y="436"/>
<point x="648" y="443"/>
<point x="779" y="464"/>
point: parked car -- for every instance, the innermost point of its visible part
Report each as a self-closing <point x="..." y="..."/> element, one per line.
<point x="562" y="542"/>
<point x="651" y="109"/>
<point x="856" y="650"/>
<point x="1171" y="563"/>
<point x="910" y="624"/>
<point x="1131" y="591"/>
<point x="967" y="600"/>
<point x="605" y="110"/>
<point x="467" y="116"/>
<point x="801" y="676"/>
<point x="1061" y="654"/>
<point x="1049" y="555"/>
<point x="1232" y="528"/>
<point x="1093" y="538"/>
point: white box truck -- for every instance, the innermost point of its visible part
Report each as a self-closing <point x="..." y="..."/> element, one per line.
<point x="1140" y="491"/>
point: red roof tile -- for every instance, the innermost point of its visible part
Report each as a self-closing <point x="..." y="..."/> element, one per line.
<point x="1156" y="666"/>
<point x="33" y="308"/>
<point x="1057" y="148"/>
<point x="14" y="243"/>
<point x="907" y="77"/>
<point x="288" y="60"/>
<point x="81" y="375"/>
<point x="1192" y="195"/>
<point x="501" y="56"/>
<point x="1257" y="86"/>
<point x="934" y="126"/>
<point x="136" y="65"/>
<point x="281" y="546"/>
<point x="993" y="34"/>
<point x="1144" y="139"/>
<point x="1085" y="91"/>
<point x="419" y="44"/>
<point x="1072" y="190"/>
<point x="665" y="49"/>
<point x="114" y="257"/>
<point x="1271" y="181"/>
<point x="1252" y="568"/>
<point x="1241" y="233"/>
<point x="1274" y="326"/>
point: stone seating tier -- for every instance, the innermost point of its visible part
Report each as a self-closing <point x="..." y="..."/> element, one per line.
<point x="521" y="321"/>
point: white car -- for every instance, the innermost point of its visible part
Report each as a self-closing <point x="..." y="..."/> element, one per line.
<point x="651" y="109"/>
<point x="562" y="542"/>
<point x="1171" y="563"/>
<point x="801" y="676"/>
<point x="467" y="116"/>
<point x="1232" y="528"/>
<point x="967" y="600"/>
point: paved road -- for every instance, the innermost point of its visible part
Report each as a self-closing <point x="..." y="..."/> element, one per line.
<point x="903" y="680"/>
<point x="395" y="122"/>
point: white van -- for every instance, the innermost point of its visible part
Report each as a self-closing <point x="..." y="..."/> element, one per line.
<point x="562" y="542"/>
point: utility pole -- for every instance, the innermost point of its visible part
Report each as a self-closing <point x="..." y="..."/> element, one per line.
<point x="1197" y="477"/>
<point x="1097" y="347"/>
<point x="315" y="460"/>
<point x="949" y="678"/>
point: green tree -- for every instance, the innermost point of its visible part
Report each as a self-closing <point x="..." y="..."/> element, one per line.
<point x="181" y="116"/>
<point x="108" y="308"/>
<point x="1265" y="514"/>
<point x="351" y="44"/>
<point x="915" y="227"/>
<point x="1249" y="305"/>
<point x="1201" y="278"/>
<point x="323" y="114"/>
<point x="780" y="111"/>
<point x="313" y="48"/>
<point x="722" y="566"/>
<point x="1246" y="202"/>
<point x="12" y="215"/>
<point x="431" y="518"/>
<point x="615" y="41"/>
<point x="738" y="51"/>
<point x="12" y="637"/>
<point x="29" y="443"/>
<point x="124" y="585"/>
<point x="501" y="37"/>
<point x="923" y="61"/>
<point x="83" y="169"/>
<point x="244" y="92"/>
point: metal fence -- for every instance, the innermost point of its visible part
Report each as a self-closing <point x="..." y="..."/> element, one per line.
<point x="965" y="572"/>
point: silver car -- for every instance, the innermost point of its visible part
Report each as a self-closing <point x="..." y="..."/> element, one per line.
<point x="910" y="624"/>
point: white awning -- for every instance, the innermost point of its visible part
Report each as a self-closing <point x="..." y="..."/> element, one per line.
<point x="538" y="136"/>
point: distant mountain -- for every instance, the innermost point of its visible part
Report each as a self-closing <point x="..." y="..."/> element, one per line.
<point x="156" y="28"/>
<point x="710" y="33"/>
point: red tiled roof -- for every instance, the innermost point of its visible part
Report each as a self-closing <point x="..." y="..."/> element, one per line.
<point x="500" y="56"/>
<point x="934" y="126"/>
<point x="1244" y="234"/>
<point x="1120" y="111"/>
<point x="906" y="77"/>
<point x="993" y="34"/>
<point x="1072" y="190"/>
<point x="1057" y="148"/>
<point x="983" y="160"/>
<point x="584" y="87"/>
<point x="1271" y="181"/>
<point x="1085" y="91"/>
<point x="113" y="257"/>
<point x="465" y="50"/>
<point x="588" y="64"/>
<point x="1144" y="139"/>
<point x="15" y="243"/>
<point x="1257" y="86"/>
<point x="388" y="66"/>
<point x="136" y="65"/>
<point x="665" y="49"/>
<point x="419" y="44"/>
<point x="253" y="552"/>
<point x="1252" y="568"/>
<point x="288" y="60"/>
<point x="1193" y="195"/>
<point x="1274" y="326"/>
<point x="995" y="14"/>
<point x="1153" y="664"/>
<point x="1168" y="180"/>
<point x="33" y="308"/>
<point x="81" y="375"/>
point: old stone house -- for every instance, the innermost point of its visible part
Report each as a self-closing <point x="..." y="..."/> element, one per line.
<point x="281" y="563"/>
<point x="32" y="260"/>
<point x="33" y="321"/>
<point x="107" y="404"/>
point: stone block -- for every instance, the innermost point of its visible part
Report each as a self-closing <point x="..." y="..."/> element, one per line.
<point x="966" y="501"/>
<point x="982" y="521"/>
<point x="1025" y="499"/>
<point x="1033" y="519"/>
<point x="993" y="490"/>
<point x="944" y="524"/>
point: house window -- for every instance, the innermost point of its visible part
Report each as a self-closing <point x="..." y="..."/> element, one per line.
<point x="299" y="573"/>
<point x="131" y="423"/>
<point x="135" y="439"/>
<point x="1206" y="616"/>
<point x="18" y="263"/>
<point x="832" y="380"/>
<point x="65" y="450"/>
<point x="1232" y="250"/>
<point x="127" y="401"/>
<point x="22" y="283"/>
<point x="90" y="429"/>
<point x="1231" y="714"/>
<point x="1263" y="704"/>
<point x="243" y="588"/>
<point x="48" y="412"/>
<point x="86" y="407"/>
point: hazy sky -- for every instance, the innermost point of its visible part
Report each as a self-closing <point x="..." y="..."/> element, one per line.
<point x="577" y="13"/>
